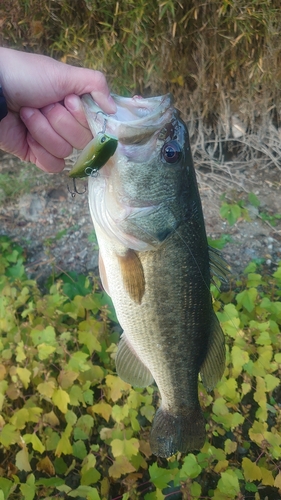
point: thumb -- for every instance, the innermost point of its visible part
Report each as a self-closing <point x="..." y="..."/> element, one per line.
<point x="81" y="81"/>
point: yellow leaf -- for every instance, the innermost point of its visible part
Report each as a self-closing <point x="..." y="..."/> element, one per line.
<point x="116" y="386"/>
<point x="22" y="460"/>
<point x="3" y="372"/>
<point x="106" y="433"/>
<point x="24" y="375"/>
<point x="277" y="481"/>
<point x="89" y="462"/>
<point x="230" y="446"/>
<point x="45" y="350"/>
<point x="221" y="466"/>
<point x="66" y="378"/>
<point x="34" y="414"/>
<point x="45" y="465"/>
<point x="267" y="477"/>
<point x="21" y="356"/>
<point x="252" y="472"/>
<point x="51" y="419"/>
<point x="102" y="408"/>
<point x="239" y="358"/>
<point x="259" y="395"/>
<point x="63" y="447"/>
<point x="228" y="389"/>
<point x="120" y="466"/>
<point x="20" y="418"/>
<point x="35" y="441"/>
<point x="47" y="388"/>
<point x="126" y="447"/>
<point x="145" y="448"/>
<point x="61" y="399"/>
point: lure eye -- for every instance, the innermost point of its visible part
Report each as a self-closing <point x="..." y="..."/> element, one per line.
<point x="102" y="139"/>
<point x="171" y="152"/>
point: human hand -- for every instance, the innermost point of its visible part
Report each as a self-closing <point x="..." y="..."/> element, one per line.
<point x="46" y="119"/>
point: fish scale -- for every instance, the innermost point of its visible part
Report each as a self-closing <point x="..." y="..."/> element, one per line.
<point x="155" y="265"/>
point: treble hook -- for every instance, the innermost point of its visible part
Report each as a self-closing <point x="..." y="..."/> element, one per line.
<point x="75" y="190"/>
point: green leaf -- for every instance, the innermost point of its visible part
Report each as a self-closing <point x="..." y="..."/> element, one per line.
<point x="247" y="299"/>
<point x="229" y="484"/>
<point x="91" y="476"/>
<point x="78" y="362"/>
<point x="9" y="435"/>
<point x="230" y="212"/>
<point x="83" y="427"/>
<point x="159" y="477"/>
<point x="46" y="336"/>
<point x="190" y="467"/>
<point x="28" y="489"/>
<point x="6" y="486"/>
<point x="253" y="199"/>
<point x="87" y="338"/>
<point x="79" y="449"/>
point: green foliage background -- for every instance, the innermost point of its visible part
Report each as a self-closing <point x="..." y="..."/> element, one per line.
<point x="70" y="428"/>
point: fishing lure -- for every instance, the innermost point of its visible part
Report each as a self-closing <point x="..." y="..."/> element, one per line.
<point x="94" y="156"/>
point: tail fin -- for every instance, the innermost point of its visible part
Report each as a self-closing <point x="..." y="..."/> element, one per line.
<point x="172" y="433"/>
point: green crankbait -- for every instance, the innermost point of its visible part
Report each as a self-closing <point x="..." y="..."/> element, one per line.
<point x="94" y="156"/>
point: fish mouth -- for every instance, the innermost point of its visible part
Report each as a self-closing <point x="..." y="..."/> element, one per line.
<point x="136" y="117"/>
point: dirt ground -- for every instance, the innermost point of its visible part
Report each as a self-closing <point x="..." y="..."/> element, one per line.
<point x="57" y="233"/>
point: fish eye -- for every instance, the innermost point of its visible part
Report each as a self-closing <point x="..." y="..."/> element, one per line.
<point x="171" y="152"/>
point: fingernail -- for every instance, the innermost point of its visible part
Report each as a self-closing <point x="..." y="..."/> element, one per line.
<point x="26" y="113"/>
<point x="72" y="103"/>
<point x="48" y="108"/>
<point x="112" y="104"/>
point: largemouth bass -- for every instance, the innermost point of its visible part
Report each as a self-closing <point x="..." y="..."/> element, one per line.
<point x="155" y="264"/>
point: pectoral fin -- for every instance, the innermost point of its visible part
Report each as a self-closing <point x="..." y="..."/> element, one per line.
<point x="132" y="275"/>
<point x="103" y="275"/>
<point x="214" y="364"/>
<point x="129" y="366"/>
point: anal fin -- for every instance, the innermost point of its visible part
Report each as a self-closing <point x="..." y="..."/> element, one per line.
<point x="132" y="275"/>
<point x="213" y="365"/>
<point x="129" y="366"/>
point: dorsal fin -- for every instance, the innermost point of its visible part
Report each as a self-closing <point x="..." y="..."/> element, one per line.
<point x="132" y="275"/>
<point x="218" y="265"/>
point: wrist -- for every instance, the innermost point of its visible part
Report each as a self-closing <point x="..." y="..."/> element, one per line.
<point x="3" y="105"/>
